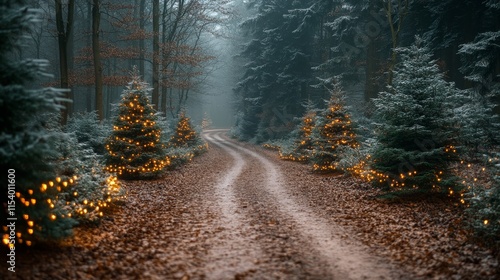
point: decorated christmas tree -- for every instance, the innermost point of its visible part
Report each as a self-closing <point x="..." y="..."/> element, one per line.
<point x="415" y="131"/>
<point x="184" y="135"/>
<point x="134" y="147"/>
<point x="333" y="131"/>
<point x="302" y="145"/>
<point x="27" y="147"/>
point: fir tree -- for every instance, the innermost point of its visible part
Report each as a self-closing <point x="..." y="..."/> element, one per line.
<point x="333" y="131"/>
<point x="206" y="123"/>
<point x="483" y="212"/>
<point x="134" y="147"/>
<point x="302" y="144"/>
<point x="27" y="150"/>
<point x="415" y="130"/>
<point x="184" y="135"/>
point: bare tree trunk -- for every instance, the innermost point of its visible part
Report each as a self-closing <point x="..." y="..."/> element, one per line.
<point x="156" y="53"/>
<point x="63" y="38"/>
<point x="395" y="23"/>
<point x="142" y="44"/>
<point x="164" y="59"/>
<point x="96" y="51"/>
<point x="88" y="41"/>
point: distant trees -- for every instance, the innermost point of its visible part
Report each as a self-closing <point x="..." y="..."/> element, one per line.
<point x="100" y="40"/>
<point x="278" y="73"/>
<point x="96" y="54"/>
<point x="290" y="43"/>
<point x="64" y="36"/>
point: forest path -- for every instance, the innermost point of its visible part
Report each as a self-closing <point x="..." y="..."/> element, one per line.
<point x="235" y="212"/>
<point x="285" y="226"/>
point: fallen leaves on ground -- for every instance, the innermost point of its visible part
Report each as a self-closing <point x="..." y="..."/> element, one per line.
<point x="427" y="236"/>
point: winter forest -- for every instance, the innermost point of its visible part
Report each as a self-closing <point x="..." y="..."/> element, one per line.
<point x="250" y="139"/>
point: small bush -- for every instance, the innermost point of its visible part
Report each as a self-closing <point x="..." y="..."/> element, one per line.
<point x="87" y="129"/>
<point x="484" y="208"/>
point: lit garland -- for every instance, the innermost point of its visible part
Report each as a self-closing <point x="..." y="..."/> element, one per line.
<point x="90" y="207"/>
<point x="468" y="172"/>
<point x="26" y="233"/>
<point x="134" y="147"/>
<point x="304" y="144"/>
<point x="65" y="204"/>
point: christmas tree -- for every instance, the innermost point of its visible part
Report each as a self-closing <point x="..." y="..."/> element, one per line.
<point x="416" y="131"/>
<point x="134" y="147"/>
<point x="206" y="123"/>
<point x="302" y="145"/>
<point x="184" y="135"/>
<point x="27" y="147"/>
<point x="333" y="131"/>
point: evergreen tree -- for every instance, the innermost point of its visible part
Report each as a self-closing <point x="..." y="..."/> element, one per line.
<point x="415" y="129"/>
<point x="184" y="135"/>
<point x="134" y="147"/>
<point x="27" y="150"/>
<point x="333" y="131"/>
<point x="302" y="145"/>
<point x="278" y="72"/>
<point x="484" y="207"/>
<point x="206" y="122"/>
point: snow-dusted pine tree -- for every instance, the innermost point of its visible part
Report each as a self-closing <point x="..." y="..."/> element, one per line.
<point x="484" y="207"/>
<point x="27" y="150"/>
<point x="333" y="131"/>
<point x="302" y="145"/>
<point x="416" y="134"/>
<point x="134" y="147"/>
<point x="184" y="135"/>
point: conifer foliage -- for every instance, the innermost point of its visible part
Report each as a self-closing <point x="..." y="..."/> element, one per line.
<point x="184" y="135"/>
<point x="134" y="147"/>
<point x="415" y="130"/>
<point x="302" y="146"/>
<point x="27" y="147"/>
<point x="333" y="131"/>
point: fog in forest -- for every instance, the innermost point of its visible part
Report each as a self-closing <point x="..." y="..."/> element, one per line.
<point x="380" y="117"/>
<point x="217" y="99"/>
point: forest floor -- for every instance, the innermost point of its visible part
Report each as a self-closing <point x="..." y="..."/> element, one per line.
<point x="238" y="212"/>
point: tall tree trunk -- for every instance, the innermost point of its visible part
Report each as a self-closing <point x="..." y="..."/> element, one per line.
<point x="96" y="51"/>
<point x="395" y="23"/>
<point x="371" y="70"/>
<point x="142" y="44"/>
<point x="164" y="88"/>
<point x="63" y="38"/>
<point x="88" y="42"/>
<point x="156" y="53"/>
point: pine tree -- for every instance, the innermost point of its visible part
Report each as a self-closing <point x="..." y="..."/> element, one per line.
<point x="302" y="144"/>
<point x="415" y="130"/>
<point x="206" y="123"/>
<point x="184" y="135"/>
<point x="333" y="131"/>
<point x="27" y="148"/>
<point x="134" y="147"/>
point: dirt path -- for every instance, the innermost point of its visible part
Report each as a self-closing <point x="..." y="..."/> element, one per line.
<point x="229" y="214"/>
<point x="327" y="255"/>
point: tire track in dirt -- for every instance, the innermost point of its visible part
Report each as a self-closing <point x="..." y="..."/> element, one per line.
<point x="344" y="261"/>
<point x="237" y="255"/>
